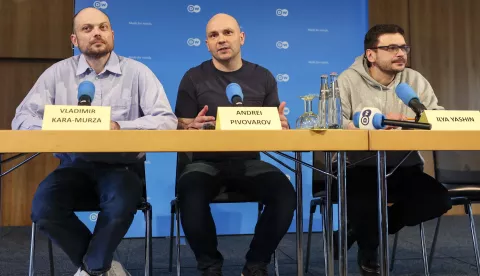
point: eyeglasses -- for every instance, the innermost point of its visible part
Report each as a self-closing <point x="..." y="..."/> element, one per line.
<point x="394" y="48"/>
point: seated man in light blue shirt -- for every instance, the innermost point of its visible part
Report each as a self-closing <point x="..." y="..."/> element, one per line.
<point x="137" y="101"/>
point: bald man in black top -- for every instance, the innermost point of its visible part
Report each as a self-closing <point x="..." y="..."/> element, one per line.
<point x="201" y="91"/>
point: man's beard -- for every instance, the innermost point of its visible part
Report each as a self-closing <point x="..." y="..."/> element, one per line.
<point x="95" y="54"/>
<point x="388" y="68"/>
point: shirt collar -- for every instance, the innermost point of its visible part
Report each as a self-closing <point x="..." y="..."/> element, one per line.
<point x="113" y="65"/>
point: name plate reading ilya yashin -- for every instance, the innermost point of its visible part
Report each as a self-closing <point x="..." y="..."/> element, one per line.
<point x="452" y="119"/>
<point x="67" y="117"/>
<point x="248" y="118"/>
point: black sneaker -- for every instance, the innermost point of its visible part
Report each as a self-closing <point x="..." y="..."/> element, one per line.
<point x="255" y="269"/>
<point x="367" y="260"/>
<point x="212" y="271"/>
<point x="351" y="239"/>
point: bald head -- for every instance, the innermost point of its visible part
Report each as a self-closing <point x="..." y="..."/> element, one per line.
<point x="92" y="33"/>
<point x="87" y="15"/>
<point x="221" y="21"/>
<point x="224" y="39"/>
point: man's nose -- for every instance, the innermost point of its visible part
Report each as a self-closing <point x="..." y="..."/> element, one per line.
<point x="96" y="31"/>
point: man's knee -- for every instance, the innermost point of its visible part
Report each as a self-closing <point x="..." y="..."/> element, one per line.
<point x="41" y="209"/>
<point x="430" y="206"/>
<point x="196" y="187"/>
<point x="120" y="206"/>
<point x="282" y="191"/>
<point x="441" y="201"/>
<point x="45" y="208"/>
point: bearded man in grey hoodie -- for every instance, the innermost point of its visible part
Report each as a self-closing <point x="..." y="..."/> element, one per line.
<point x="417" y="197"/>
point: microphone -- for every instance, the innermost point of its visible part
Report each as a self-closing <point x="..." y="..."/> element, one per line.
<point x="234" y="94"/>
<point x="86" y="92"/>
<point x="409" y="98"/>
<point x="372" y="118"/>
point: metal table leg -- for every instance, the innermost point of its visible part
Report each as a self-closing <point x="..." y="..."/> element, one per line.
<point x="382" y="212"/>
<point x="329" y="266"/>
<point x="299" y="228"/>
<point x="342" y="215"/>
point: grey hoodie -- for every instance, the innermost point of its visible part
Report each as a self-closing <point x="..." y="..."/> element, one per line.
<point x="359" y="90"/>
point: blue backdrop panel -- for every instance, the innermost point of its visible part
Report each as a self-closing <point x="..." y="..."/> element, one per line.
<point x="296" y="40"/>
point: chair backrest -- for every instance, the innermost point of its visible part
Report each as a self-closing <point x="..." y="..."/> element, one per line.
<point x="183" y="159"/>
<point x="457" y="167"/>
<point x="139" y="168"/>
<point x="318" y="178"/>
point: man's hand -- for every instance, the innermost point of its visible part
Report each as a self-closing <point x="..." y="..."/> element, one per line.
<point x="395" y="116"/>
<point x="283" y="119"/>
<point x="114" y="125"/>
<point x="351" y="126"/>
<point x="201" y="119"/>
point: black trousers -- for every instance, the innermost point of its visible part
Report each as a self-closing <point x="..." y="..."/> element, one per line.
<point x="416" y="197"/>
<point x="200" y="182"/>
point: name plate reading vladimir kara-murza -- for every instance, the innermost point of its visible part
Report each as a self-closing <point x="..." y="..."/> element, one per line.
<point x="67" y="117"/>
<point x="248" y="118"/>
<point x="452" y="119"/>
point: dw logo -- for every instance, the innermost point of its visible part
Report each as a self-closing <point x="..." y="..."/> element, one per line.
<point x="193" y="8"/>
<point x="365" y="117"/>
<point x="282" y="12"/>
<point x="193" y="42"/>
<point x="282" y="45"/>
<point x="93" y="217"/>
<point x="100" y="5"/>
<point x="283" y="77"/>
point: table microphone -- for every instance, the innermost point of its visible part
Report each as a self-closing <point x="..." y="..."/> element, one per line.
<point x="86" y="92"/>
<point x="234" y="94"/>
<point x="409" y="98"/>
<point x="372" y="118"/>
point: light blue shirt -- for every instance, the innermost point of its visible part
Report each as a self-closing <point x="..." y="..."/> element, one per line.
<point x="135" y="95"/>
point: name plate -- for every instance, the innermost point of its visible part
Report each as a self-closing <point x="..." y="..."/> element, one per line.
<point x="452" y="119"/>
<point x="248" y="118"/>
<point x="68" y="117"/>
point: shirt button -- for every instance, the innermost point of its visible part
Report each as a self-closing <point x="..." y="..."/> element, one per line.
<point x="96" y="77"/>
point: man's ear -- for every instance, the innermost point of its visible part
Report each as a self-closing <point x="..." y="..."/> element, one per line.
<point x="73" y="39"/>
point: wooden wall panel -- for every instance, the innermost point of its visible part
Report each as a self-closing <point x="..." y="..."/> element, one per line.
<point x="391" y="12"/>
<point x="33" y="35"/>
<point x="19" y="186"/>
<point x="17" y="78"/>
<point x="35" y="28"/>
<point x="445" y="44"/>
<point x="445" y="48"/>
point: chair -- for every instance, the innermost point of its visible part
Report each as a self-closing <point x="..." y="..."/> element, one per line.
<point x="459" y="172"/>
<point x="183" y="159"/>
<point x="144" y="206"/>
<point x="319" y="197"/>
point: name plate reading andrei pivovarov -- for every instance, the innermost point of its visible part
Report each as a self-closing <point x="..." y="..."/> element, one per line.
<point x="452" y="119"/>
<point x="67" y="117"/>
<point x="248" y="118"/>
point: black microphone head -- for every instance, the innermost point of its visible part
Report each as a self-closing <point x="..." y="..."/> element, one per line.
<point x="234" y="94"/>
<point x="84" y="100"/>
<point x="237" y="100"/>
<point x="86" y="92"/>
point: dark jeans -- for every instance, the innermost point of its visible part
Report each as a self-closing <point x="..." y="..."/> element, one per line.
<point x="115" y="189"/>
<point x="416" y="197"/>
<point x="200" y="182"/>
